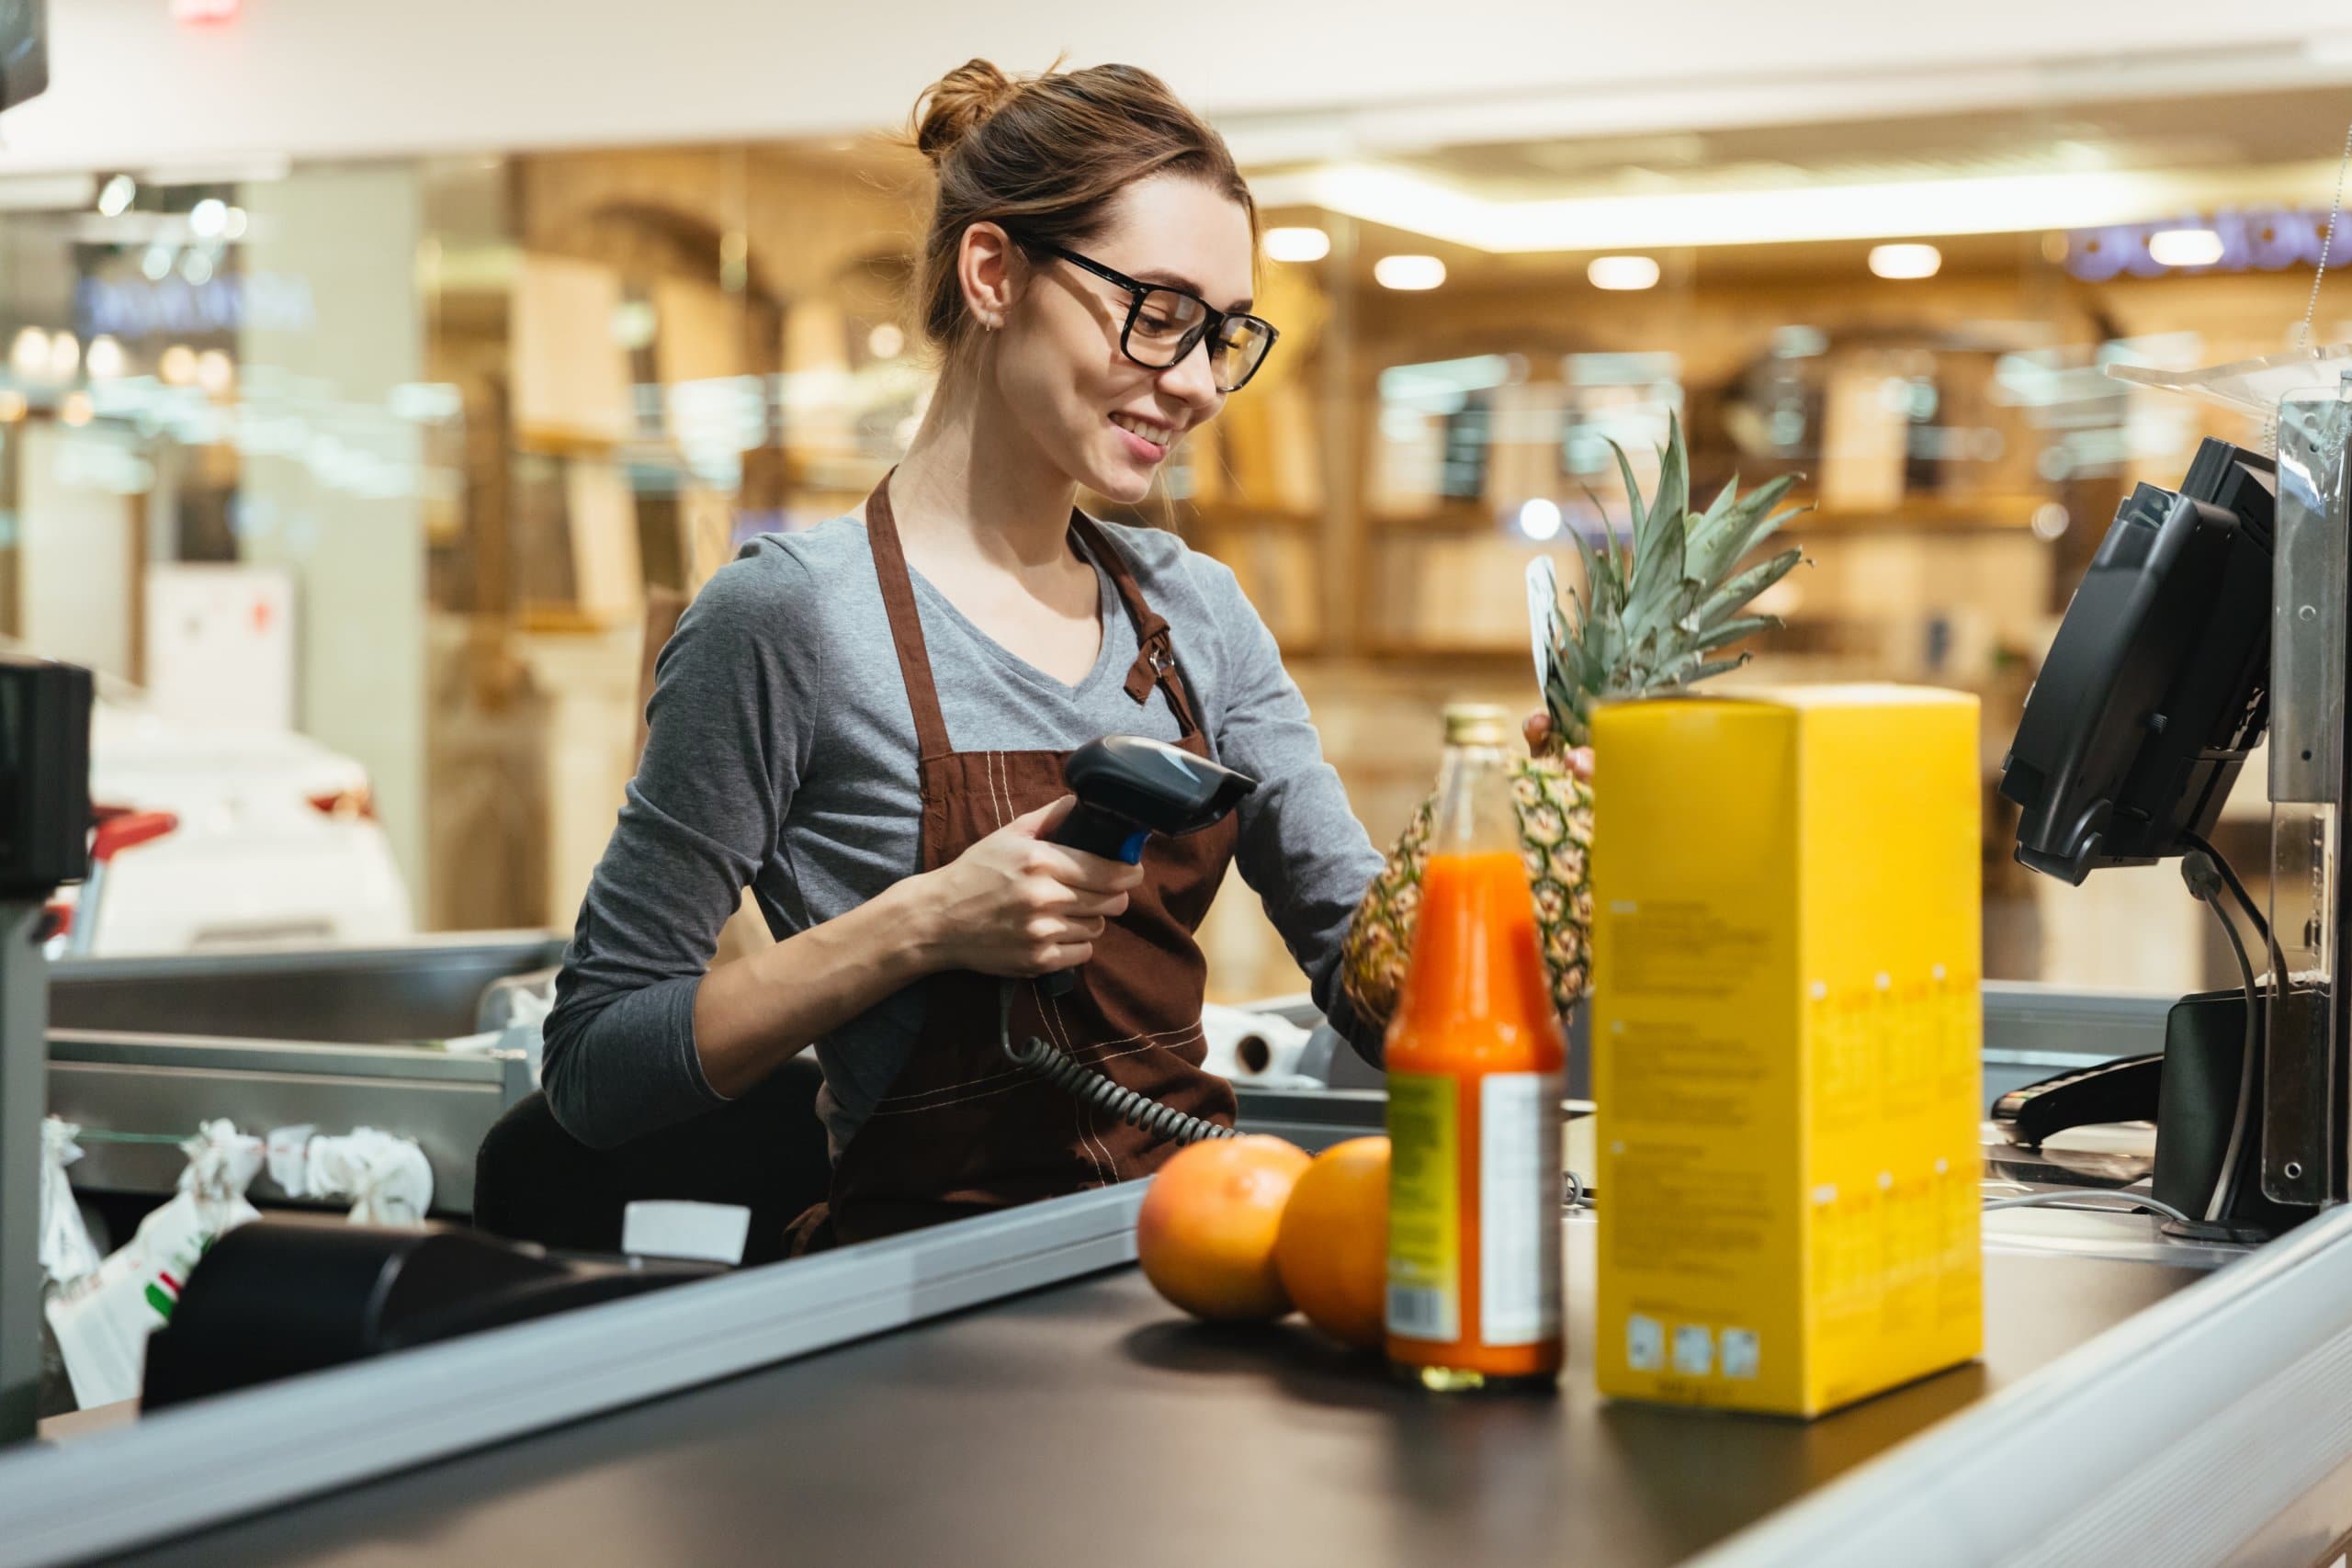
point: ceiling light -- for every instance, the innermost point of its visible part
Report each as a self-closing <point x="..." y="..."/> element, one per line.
<point x="178" y="365"/>
<point x="2184" y="247"/>
<point x="1623" y="272"/>
<point x="1539" y="519"/>
<point x="886" y="341"/>
<point x="74" y="408"/>
<point x="1298" y="245"/>
<point x="1998" y="204"/>
<point x="1905" y="261"/>
<point x="1409" y="272"/>
<point x="232" y="226"/>
<point x="65" y="354"/>
<point x="215" y="371"/>
<point x="116" y="199"/>
<point x="156" y="264"/>
<point x="28" y="355"/>
<point x="208" y="216"/>
<point x="105" y="358"/>
<point x="12" y="405"/>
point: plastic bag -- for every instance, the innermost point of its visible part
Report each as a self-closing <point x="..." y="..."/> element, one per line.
<point x="67" y="1254"/>
<point x="388" y="1177"/>
<point x="102" y="1322"/>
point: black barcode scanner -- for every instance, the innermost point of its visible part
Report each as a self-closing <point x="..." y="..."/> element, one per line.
<point x="1129" y="788"/>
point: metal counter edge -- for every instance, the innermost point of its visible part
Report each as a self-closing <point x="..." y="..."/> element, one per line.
<point x="2169" y="1439"/>
<point x="204" y="1464"/>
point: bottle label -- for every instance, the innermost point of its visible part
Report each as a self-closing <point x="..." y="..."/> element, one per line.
<point x="1424" y="1207"/>
<point x="1518" y="1208"/>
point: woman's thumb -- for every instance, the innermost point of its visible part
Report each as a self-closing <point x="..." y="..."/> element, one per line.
<point x="1041" y="822"/>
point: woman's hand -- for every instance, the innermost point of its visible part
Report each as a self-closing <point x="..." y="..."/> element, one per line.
<point x="1538" y="731"/>
<point x="1016" y="906"/>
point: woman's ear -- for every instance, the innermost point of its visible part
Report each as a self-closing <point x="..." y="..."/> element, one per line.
<point x="988" y="269"/>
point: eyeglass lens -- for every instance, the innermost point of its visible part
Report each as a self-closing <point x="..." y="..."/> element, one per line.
<point x="1167" y="325"/>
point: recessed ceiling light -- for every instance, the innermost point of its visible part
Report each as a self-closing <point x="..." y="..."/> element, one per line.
<point x="1305" y="244"/>
<point x="1905" y="261"/>
<point x="1623" y="272"/>
<point x="2184" y="247"/>
<point x="1409" y="272"/>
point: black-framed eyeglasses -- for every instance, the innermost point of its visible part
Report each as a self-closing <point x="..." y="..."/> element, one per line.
<point x="1164" y="324"/>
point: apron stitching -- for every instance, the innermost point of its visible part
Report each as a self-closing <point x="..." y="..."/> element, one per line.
<point x="1085" y="1118"/>
<point x="1155" y="1037"/>
<point x="1184" y="1039"/>
<point x="1051" y="1014"/>
<point x="1000" y="785"/>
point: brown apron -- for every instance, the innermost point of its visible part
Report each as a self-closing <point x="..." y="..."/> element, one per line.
<point x="962" y="1129"/>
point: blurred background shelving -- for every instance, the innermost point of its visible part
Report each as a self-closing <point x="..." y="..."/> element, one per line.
<point x="494" y="414"/>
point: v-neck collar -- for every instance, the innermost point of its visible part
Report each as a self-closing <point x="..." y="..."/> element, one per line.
<point x="1108" y="613"/>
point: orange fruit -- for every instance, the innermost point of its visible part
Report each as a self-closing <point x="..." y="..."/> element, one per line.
<point x="1206" y="1233"/>
<point x="1332" y="1249"/>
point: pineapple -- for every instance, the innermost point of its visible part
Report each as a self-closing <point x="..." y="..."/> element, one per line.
<point x="1654" y="615"/>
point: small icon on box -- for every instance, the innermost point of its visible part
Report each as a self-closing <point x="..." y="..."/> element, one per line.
<point x="1739" y="1352"/>
<point x="1695" y="1351"/>
<point x="1644" y="1343"/>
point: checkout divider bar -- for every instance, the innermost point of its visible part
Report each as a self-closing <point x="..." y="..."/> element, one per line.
<point x="2168" y="1441"/>
<point x="203" y="1464"/>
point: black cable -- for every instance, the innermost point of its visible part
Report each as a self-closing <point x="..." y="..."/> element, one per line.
<point x="1087" y="1084"/>
<point x="2199" y="870"/>
<point x="2245" y="901"/>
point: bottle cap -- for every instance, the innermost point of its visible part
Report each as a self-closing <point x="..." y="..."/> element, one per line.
<point x="1477" y="724"/>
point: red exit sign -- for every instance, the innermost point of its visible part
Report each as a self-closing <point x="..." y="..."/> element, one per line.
<point x="204" y="13"/>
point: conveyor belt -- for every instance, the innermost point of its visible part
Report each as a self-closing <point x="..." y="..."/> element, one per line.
<point x="1091" y="1422"/>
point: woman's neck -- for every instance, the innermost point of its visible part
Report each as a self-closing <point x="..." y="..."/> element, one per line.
<point x="973" y="484"/>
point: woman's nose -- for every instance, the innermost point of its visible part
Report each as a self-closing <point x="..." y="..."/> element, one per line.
<point x="1191" y="378"/>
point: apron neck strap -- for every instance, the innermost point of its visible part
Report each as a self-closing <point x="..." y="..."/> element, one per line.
<point x="906" y="624"/>
<point x="1155" y="662"/>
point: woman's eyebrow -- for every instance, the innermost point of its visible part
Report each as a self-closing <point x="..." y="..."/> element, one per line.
<point x="1177" y="280"/>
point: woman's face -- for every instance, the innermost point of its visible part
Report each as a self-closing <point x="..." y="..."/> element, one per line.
<point x="1102" y="419"/>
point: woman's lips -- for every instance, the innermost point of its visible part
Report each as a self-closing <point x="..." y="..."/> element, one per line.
<point x="1143" y="448"/>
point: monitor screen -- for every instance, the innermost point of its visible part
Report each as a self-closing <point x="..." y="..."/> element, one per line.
<point x="23" y="50"/>
<point x="2158" y="683"/>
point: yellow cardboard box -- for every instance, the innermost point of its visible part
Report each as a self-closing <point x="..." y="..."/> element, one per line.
<point x="1786" y="1029"/>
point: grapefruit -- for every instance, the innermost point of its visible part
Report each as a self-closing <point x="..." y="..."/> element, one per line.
<point x="1332" y="1249"/>
<point x="1206" y="1233"/>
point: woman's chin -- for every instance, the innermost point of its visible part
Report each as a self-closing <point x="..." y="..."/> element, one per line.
<point x="1118" y="482"/>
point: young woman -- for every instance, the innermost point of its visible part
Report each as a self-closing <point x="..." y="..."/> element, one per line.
<point x="865" y="723"/>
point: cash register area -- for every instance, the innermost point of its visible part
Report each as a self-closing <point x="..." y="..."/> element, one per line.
<point x="377" y="386"/>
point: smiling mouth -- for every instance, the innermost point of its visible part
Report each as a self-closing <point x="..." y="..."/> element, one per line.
<point x="1158" y="435"/>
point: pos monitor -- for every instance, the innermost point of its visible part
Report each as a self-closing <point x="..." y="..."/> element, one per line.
<point x="2155" y="687"/>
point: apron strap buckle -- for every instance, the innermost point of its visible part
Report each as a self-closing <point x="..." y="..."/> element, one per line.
<point x="1154" y="660"/>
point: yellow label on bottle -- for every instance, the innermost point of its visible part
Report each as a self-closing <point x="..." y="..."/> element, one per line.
<point x="1424" y="1207"/>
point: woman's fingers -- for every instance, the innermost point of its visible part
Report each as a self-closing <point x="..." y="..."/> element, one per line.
<point x="1086" y="872"/>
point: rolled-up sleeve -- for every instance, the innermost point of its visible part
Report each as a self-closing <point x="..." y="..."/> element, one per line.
<point x="730" y="728"/>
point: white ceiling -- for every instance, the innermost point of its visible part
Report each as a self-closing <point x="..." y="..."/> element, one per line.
<point x="295" y="79"/>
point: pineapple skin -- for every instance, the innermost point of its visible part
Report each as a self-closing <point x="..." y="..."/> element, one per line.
<point x="1554" y="843"/>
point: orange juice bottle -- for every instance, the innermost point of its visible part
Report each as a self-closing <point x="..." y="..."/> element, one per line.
<point x="1474" y="1058"/>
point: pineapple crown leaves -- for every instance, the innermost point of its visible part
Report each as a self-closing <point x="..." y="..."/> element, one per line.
<point x="1652" y="609"/>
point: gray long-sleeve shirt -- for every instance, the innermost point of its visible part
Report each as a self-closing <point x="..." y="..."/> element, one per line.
<point x="781" y="756"/>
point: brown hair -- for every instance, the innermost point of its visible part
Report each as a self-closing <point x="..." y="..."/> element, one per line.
<point x="1044" y="156"/>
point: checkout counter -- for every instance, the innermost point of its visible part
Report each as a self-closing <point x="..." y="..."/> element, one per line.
<point x="1006" y="1390"/>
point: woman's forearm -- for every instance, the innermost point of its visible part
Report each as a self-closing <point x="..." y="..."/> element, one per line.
<point x="755" y="1013"/>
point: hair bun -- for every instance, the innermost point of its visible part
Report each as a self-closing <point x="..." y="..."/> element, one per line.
<point x="958" y="104"/>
